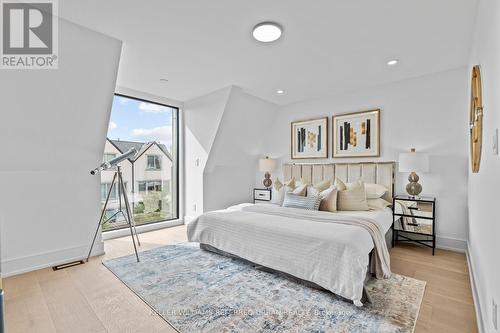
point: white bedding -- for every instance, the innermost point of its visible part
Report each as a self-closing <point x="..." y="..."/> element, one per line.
<point x="334" y="256"/>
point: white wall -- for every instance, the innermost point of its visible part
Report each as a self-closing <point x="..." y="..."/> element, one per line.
<point x="428" y="113"/>
<point x="202" y="117"/>
<point x="53" y="129"/>
<point x="484" y="226"/>
<point x="229" y="173"/>
<point x="225" y="131"/>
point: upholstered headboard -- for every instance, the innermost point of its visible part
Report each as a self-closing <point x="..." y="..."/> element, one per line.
<point x="371" y="172"/>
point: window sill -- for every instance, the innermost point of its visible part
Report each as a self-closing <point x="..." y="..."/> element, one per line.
<point x="141" y="229"/>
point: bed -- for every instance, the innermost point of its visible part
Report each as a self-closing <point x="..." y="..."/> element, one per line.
<point x="329" y="250"/>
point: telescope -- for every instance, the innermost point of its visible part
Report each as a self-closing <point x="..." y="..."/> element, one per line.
<point x="111" y="163"/>
<point x="119" y="184"/>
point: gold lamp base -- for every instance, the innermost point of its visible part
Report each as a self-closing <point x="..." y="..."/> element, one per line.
<point x="413" y="188"/>
<point x="267" y="180"/>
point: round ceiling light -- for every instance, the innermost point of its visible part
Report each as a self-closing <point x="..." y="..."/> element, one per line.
<point x="267" y="32"/>
<point x="392" y="62"/>
<point x="280" y="91"/>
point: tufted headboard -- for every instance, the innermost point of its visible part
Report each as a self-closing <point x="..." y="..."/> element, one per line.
<point x="371" y="172"/>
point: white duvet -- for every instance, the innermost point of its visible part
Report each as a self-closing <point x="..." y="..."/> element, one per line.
<point x="334" y="256"/>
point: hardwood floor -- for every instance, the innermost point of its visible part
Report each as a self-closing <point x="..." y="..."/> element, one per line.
<point x="89" y="298"/>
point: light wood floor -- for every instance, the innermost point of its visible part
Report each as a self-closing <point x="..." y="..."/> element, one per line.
<point x="89" y="298"/>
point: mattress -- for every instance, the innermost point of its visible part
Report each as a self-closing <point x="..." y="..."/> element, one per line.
<point x="333" y="256"/>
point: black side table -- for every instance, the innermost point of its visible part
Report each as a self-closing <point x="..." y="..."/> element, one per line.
<point x="414" y="220"/>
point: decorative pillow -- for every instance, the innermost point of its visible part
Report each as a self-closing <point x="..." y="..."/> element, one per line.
<point x="278" y="184"/>
<point x="322" y="185"/>
<point x="353" y="198"/>
<point x="378" y="204"/>
<point x="300" y="190"/>
<point x="301" y="182"/>
<point x="328" y="200"/>
<point x="297" y="201"/>
<point x="339" y="185"/>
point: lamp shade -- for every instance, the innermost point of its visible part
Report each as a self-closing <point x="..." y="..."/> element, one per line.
<point x="413" y="162"/>
<point x="267" y="164"/>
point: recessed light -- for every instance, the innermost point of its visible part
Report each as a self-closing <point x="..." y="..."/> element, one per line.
<point x="267" y="32"/>
<point x="392" y="62"/>
<point x="280" y="92"/>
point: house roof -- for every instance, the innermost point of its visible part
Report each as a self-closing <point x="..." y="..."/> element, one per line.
<point x="141" y="147"/>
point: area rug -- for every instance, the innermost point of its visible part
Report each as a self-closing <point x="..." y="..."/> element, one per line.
<point x="199" y="291"/>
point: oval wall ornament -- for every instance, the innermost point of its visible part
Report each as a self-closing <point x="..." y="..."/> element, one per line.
<point x="476" y="119"/>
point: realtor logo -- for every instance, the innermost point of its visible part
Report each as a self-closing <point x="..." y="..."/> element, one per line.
<point x="29" y="34"/>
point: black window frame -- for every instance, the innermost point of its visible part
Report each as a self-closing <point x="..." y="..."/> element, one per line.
<point x="175" y="160"/>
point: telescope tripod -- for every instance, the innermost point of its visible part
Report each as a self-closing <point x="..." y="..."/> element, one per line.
<point x="118" y="181"/>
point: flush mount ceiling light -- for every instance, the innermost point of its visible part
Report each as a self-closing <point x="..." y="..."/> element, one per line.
<point x="392" y="62"/>
<point x="267" y="32"/>
<point x="280" y="92"/>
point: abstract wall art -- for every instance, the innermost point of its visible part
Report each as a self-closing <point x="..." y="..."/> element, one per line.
<point x="356" y="134"/>
<point x="310" y="138"/>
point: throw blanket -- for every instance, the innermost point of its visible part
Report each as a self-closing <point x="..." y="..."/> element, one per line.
<point x="380" y="264"/>
<point x="329" y="249"/>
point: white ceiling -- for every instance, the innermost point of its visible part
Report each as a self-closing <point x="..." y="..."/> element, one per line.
<point x="328" y="46"/>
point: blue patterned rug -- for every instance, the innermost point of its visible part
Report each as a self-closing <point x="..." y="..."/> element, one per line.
<point x="199" y="291"/>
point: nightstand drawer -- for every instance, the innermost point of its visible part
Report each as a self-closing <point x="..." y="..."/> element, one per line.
<point x="414" y="225"/>
<point x="261" y="194"/>
<point x="421" y="209"/>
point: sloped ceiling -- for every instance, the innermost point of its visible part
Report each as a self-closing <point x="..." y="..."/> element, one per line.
<point x="327" y="46"/>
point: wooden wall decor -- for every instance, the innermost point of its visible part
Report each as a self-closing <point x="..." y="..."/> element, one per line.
<point x="476" y="119"/>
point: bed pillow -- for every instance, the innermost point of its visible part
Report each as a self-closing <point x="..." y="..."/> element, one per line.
<point x="378" y="204"/>
<point x="352" y="198"/>
<point x="278" y="184"/>
<point x="328" y="198"/>
<point x="277" y="196"/>
<point x="339" y="185"/>
<point x="375" y="191"/>
<point x="297" y="201"/>
<point x="300" y="190"/>
<point x="301" y="182"/>
<point x="279" y="189"/>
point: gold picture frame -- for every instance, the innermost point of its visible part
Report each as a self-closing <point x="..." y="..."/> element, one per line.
<point x="476" y="114"/>
<point x="363" y="137"/>
<point x="309" y="138"/>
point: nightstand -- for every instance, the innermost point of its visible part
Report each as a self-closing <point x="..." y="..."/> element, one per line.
<point x="261" y="195"/>
<point x="414" y="220"/>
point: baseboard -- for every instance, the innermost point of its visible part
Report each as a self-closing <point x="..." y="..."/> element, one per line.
<point x="452" y="244"/>
<point x="475" y="291"/>
<point x="15" y="266"/>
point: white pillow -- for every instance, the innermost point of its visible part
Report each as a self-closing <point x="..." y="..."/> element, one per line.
<point x="375" y="191"/>
<point x="277" y="196"/>
<point x="378" y="204"/>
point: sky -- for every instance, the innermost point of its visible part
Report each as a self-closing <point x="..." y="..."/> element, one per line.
<point x="133" y="120"/>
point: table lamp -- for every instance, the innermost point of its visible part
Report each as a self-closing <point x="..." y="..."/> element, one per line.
<point x="267" y="165"/>
<point x="413" y="162"/>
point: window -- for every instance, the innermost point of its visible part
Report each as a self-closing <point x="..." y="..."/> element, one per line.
<point x="105" y="189"/>
<point x="152" y="129"/>
<point x="151" y="185"/>
<point x="154" y="162"/>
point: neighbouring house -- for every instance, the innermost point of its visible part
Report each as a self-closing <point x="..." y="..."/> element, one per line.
<point x="148" y="181"/>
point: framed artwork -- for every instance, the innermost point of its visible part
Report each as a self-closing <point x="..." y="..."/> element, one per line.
<point x="356" y="134"/>
<point x="310" y="138"/>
